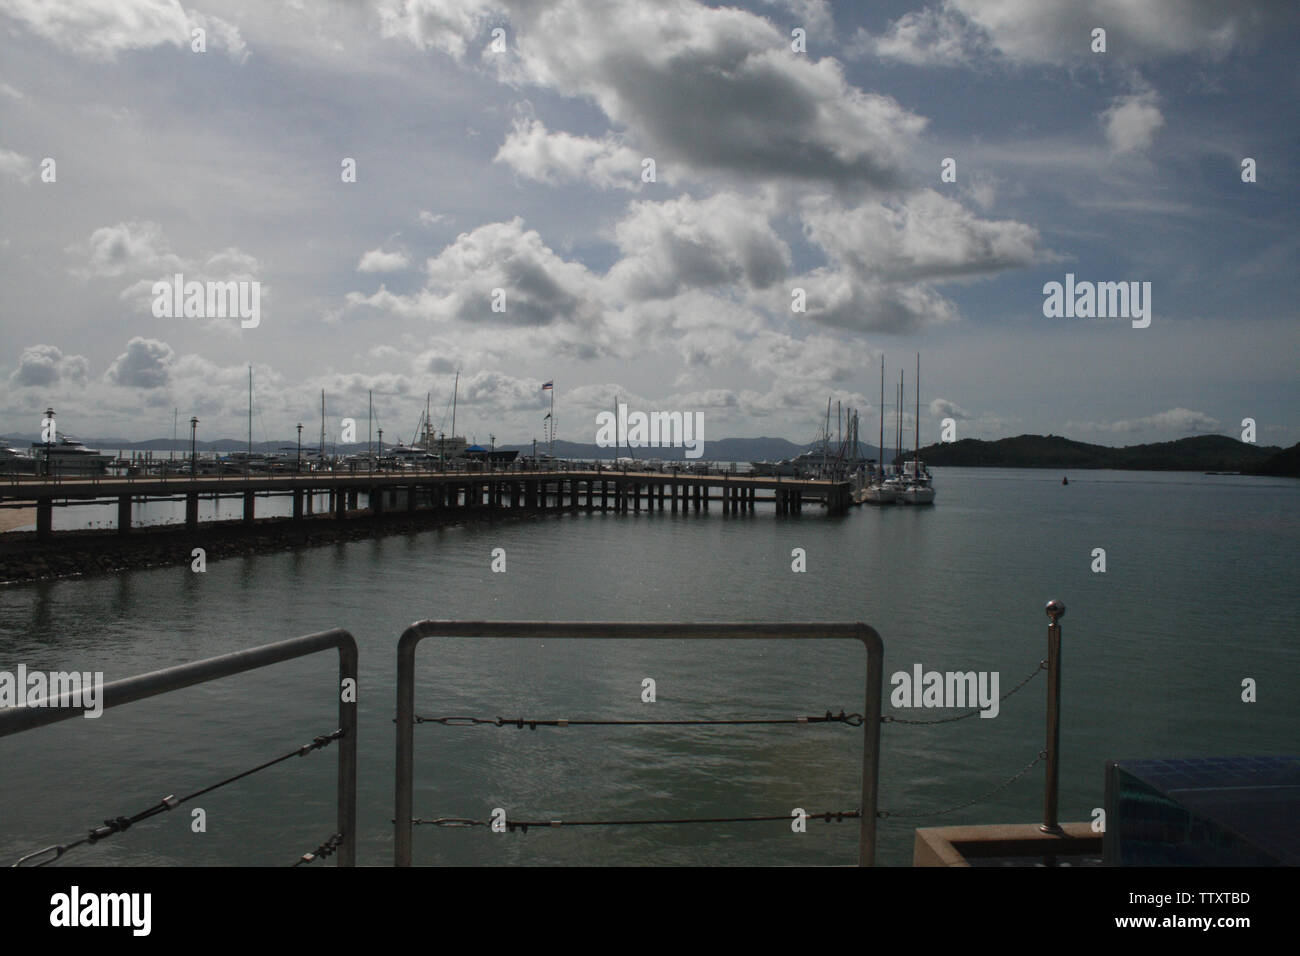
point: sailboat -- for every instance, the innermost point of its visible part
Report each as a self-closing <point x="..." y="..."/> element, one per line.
<point x="443" y="447"/>
<point x="917" y="489"/>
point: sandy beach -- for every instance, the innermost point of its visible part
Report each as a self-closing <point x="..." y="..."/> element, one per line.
<point x="11" y="518"/>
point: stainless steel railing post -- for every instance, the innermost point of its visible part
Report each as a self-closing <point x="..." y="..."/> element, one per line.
<point x="413" y="635"/>
<point x="18" y="719"/>
<point x="1055" y="611"/>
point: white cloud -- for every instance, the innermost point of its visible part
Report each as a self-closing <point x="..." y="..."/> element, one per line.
<point x="716" y="88"/>
<point x="15" y="166"/>
<point x="1177" y="421"/>
<point x="942" y="408"/>
<point x="1131" y="122"/>
<point x="1059" y="32"/>
<point x="930" y="36"/>
<point x="921" y="236"/>
<point x="144" y="364"/>
<point x="129" y="248"/>
<point x="377" y="260"/>
<point x="46" y="365"/>
<point x="552" y="158"/>
<point x="101" y="29"/>
<point x="446" y="25"/>
<point x="688" y="243"/>
<point x="542" y="291"/>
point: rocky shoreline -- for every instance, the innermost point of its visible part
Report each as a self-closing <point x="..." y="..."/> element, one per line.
<point x="67" y="554"/>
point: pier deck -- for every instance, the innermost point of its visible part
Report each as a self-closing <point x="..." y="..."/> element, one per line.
<point x="572" y="489"/>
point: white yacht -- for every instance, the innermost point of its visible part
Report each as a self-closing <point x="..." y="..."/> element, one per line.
<point x="15" y="462"/>
<point x="67" y="456"/>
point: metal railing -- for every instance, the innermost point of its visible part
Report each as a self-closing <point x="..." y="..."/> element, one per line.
<point x="417" y="632"/>
<point x="15" y="720"/>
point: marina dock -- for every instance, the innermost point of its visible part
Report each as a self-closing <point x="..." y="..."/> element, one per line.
<point x="572" y="489"/>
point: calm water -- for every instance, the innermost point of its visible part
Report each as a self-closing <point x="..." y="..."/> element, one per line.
<point x="1199" y="591"/>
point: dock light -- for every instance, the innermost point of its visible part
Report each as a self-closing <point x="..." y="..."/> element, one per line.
<point x="194" y="461"/>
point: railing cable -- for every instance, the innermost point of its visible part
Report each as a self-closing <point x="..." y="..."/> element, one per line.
<point x="1042" y="755"/>
<point x="835" y="816"/>
<point x="852" y="720"/>
<point x="118" y="824"/>
<point x="321" y="852"/>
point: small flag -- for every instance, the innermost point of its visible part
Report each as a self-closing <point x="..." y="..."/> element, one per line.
<point x="546" y="416"/>
<point x="548" y="385"/>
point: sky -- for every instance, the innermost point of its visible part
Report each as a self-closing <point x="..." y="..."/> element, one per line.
<point x="735" y="211"/>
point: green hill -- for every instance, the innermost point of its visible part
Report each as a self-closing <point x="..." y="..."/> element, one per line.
<point x="1285" y="463"/>
<point x="1198" y="453"/>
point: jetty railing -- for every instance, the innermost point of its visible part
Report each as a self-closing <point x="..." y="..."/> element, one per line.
<point x="15" y="720"/>
<point x="523" y="630"/>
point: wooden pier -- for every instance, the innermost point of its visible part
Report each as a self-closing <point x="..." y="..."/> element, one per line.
<point x="574" y="489"/>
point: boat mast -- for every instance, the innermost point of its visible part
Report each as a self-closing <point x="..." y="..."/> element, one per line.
<point x="454" y="392"/>
<point x="880" y="449"/>
<point x="322" y="424"/>
<point x="370" y="418"/>
<point x="250" y="414"/>
<point x="898" y="442"/>
<point x="826" y="436"/>
<point x="916" y="458"/>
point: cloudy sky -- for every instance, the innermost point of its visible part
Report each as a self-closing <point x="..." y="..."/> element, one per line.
<point x="797" y="152"/>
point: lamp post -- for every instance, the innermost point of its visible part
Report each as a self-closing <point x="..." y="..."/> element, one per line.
<point x="380" y="460"/>
<point x="194" y="461"/>
<point x="298" y="467"/>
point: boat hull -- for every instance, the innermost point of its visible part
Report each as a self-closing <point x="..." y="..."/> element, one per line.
<point x="918" y="496"/>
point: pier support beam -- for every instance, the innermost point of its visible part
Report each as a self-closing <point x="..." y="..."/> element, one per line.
<point x="249" y="506"/>
<point x="192" y="510"/>
<point x="340" y="504"/>
<point x="376" y="496"/>
<point x="297" y="504"/>
<point x="44" y="518"/>
<point x="412" y="493"/>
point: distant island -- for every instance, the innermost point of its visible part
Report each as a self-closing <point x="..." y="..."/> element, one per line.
<point x="1199" y="453"/>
